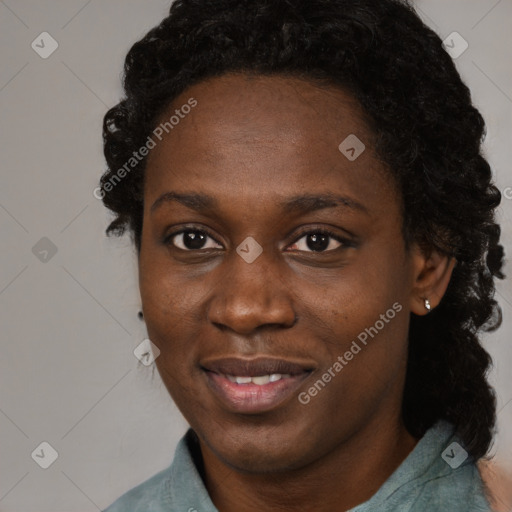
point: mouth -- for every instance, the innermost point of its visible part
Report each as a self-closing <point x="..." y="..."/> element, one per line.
<point x="254" y="386"/>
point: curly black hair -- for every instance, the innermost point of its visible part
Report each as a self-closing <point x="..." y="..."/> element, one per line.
<point x="427" y="132"/>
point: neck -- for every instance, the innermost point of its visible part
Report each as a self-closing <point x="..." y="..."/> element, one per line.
<point x="348" y="476"/>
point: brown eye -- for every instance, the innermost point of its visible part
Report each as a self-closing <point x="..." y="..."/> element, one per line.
<point x="319" y="241"/>
<point x="192" y="240"/>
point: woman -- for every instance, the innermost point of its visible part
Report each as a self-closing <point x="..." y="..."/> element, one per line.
<point x="314" y="224"/>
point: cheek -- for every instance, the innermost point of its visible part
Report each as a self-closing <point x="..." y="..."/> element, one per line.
<point x="163" y="304"/>
<point x="362" y="319"/>
<point x="170" y="327"/>
<point x="163" y="297"/>
<point x="348" y="302"/>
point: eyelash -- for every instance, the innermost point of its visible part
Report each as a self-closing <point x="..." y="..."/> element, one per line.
<point x="168" y="240"/>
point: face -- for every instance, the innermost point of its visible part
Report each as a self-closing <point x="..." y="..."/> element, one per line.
<point x="268" y="252"/>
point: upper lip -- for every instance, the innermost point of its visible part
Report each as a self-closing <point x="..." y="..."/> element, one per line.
<point x="257" y="366"/>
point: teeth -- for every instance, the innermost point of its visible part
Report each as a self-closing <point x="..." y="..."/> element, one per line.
<point x="259" y="380"/>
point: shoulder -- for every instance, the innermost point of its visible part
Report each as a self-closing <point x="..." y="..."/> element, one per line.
<point x="175" y="488"/>
<point x="451" y="479"/>
<point x="439" y="474"/>
<point x="145" y="497"/>
<point x="459" y="489"/>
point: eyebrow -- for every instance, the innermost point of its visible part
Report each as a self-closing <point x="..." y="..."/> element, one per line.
<point x="204" y="203"/>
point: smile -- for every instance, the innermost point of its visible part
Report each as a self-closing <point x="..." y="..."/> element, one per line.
<point x="257" y="385"/>
<point x="259" y="380"/>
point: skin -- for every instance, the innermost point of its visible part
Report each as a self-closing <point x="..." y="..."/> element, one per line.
<point x="252" y="142"/>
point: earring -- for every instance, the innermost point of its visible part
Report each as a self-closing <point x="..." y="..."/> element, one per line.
<point x="140" y="314"/>
<point x="428" y="307"/>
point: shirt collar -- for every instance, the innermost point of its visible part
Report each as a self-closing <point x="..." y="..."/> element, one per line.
<point x="185" y="489"/>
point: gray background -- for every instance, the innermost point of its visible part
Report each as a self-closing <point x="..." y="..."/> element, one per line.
<point x="69" y="324"/>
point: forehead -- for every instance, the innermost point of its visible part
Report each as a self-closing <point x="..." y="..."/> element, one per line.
<point x="245" y="109"/>
<point x="262" y="136"/>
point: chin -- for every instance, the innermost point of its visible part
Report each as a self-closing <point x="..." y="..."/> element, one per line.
<point x="262" y="460"/>
<point x="263" y="448"/>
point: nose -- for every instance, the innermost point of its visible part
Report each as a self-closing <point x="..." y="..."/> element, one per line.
<point x="249" y="296"/>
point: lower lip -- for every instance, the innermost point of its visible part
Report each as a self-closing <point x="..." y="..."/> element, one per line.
<point x="251" y="398"/>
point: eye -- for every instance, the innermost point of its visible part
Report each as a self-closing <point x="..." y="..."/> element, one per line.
<point x="191" y="240"/>
<point x="319" y="240"/>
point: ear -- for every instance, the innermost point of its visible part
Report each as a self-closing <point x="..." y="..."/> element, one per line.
<point x="432" y="272"/>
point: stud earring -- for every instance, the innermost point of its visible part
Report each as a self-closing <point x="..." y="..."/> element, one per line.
<point x="428" y="307"/>
<point x="140" y="314"/>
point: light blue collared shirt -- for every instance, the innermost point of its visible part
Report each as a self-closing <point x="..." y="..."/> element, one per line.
<point x="436" y="476"/>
